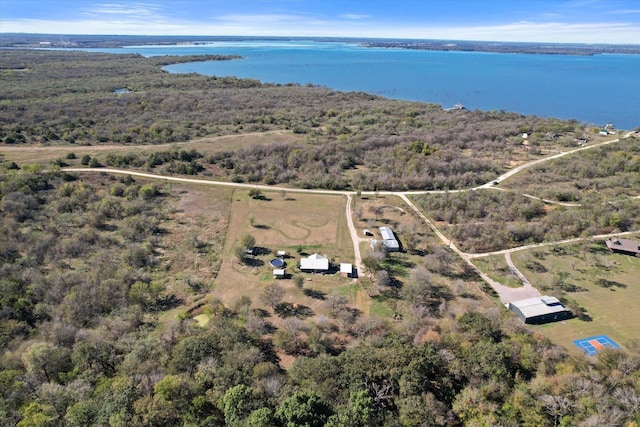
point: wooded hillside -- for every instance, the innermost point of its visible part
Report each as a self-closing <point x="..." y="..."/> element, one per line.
<point x="98" y="283"/>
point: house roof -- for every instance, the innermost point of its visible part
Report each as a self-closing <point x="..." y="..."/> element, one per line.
<point x="626" y="245"/>
<point x="314" y="262"/>
<point x="278" y="272"/>
<point x="537" y="306"/>
<point x="390" y="245"/>
<point x="386" y="233"/>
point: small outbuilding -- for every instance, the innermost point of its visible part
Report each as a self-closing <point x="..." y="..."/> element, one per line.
<point x="388" y="240"/>
<point x="623" y="246"/>
<point x="539" y="310"/>
<point x="346" y="269"/>
<point x="279" y="273"/>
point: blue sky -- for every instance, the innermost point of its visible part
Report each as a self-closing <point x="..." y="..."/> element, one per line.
<point x="581" y="21"/>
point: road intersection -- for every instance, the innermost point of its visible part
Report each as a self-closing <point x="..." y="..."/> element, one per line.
<point x="505" y="293"/>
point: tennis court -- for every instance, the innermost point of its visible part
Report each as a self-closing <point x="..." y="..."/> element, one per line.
<point x="593" y="345"/>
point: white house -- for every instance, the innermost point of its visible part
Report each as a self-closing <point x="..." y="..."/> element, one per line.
<point x="315" y="263"/>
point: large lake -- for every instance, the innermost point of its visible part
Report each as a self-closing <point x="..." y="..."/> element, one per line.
<point x="595" y="89"/>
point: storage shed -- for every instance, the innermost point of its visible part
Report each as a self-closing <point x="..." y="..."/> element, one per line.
<point x="538" y="310"/>
<point x="346" y="269"/>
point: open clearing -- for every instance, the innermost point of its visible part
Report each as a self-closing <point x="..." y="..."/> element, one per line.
<point x="281" y="221"/>
<point x="611" y="294"/>
<point x="30" y="154"/>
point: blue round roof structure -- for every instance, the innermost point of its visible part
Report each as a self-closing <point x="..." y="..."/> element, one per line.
<point x="276" y="263"/>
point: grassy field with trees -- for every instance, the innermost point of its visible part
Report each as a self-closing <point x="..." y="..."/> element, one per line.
<point x="602" y="283"/>
<point x="127" y="301"/>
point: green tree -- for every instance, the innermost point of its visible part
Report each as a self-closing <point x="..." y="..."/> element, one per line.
<point x="262" y="417"/>
<point x="371" y="265"/>
<point x="82" y="413"/>
<point x="116" y="399"/>
<point x="148" y="192"/>
<point x="240" y="252"/>
<point x="303" y="409"/>
<point x="190" y="351"/>
<point x="254" y="193"/>
<point x="248" y="241"/>
<point x="37" y="415"/>
<point x="237" y="403"/>
<point x="360" y="412"/>
<point x="45" y="361"/>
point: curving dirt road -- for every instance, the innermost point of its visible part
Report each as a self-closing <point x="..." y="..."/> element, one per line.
<point x="505" y="293"/>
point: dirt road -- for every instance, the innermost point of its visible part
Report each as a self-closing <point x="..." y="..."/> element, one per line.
<point x="505" y="293"/>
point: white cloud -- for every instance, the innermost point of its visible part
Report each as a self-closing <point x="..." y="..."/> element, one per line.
<point x="270" y="19"/>
<point x="138" y="19"/>
<point x="624" y="12"/>
<point x="134" y="10"/>
<point x="551" y="32"/>
<point x="354" y="16"/>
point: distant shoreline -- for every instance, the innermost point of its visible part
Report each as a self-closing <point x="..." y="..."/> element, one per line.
<point x="15" y="40"/>
<point x="507" y="47"/>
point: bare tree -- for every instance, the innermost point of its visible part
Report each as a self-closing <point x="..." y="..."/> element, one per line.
<point x="272" y="295"/>
<point x="336" y="304"/>
<point x="383" y="279"/>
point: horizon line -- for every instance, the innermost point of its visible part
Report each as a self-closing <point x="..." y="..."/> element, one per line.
<point x="319" y="37"/>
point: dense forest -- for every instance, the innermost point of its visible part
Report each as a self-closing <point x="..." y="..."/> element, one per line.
<point x="85" y="341"/>
<point x="97" y="325"/>
<point x="347" y="140"/>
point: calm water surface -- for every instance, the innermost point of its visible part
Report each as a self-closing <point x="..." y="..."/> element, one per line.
<point x="593" y="89"/>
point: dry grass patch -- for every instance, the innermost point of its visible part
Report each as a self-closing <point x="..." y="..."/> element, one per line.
<point x="315" y="223"/>
<point x="496" y="267"/>
<point x="44" y="154"/>
<point x="195" y="236"/>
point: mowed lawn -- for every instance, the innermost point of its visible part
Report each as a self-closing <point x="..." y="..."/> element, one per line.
<point x="284" y="221"/>
<point x="613" y="309"/>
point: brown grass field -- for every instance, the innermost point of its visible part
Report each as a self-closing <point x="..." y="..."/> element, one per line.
<point x="43" y="154"/>
<point x="613" y="309"/>
<point x="286" y="222"/>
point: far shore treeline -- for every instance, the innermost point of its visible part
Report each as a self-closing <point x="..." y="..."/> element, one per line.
<point x="110" y="41"/>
